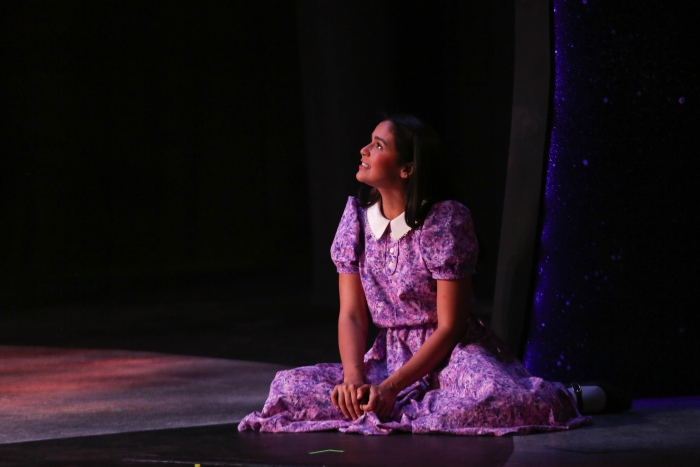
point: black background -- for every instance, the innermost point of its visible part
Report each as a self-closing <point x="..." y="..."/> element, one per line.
<point x="148" y="142"/>
<point x="149" y="139"/>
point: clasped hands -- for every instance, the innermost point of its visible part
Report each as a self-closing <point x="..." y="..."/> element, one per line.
<point x="357" y="398"/>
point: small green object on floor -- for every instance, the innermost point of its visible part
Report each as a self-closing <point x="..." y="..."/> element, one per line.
<point x="326" y="450"/>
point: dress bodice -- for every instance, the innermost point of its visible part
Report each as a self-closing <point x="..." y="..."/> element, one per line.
<point x="399" y="266"/>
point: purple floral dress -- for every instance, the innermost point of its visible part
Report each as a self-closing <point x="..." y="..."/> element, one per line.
<point x="480" y="389"/>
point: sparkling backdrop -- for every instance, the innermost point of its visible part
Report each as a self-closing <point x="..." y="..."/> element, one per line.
<point x="616" y="295"/>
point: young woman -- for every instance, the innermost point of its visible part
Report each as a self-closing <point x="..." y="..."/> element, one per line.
<point x="408" y="258"/>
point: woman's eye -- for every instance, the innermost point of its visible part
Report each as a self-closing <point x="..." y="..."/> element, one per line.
<point x="379" y="145"/>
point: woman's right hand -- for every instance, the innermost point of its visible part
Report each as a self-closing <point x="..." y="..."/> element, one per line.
<point x="348" y="396"/>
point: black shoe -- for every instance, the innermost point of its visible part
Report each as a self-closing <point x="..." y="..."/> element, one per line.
<point x="579" y="395"/>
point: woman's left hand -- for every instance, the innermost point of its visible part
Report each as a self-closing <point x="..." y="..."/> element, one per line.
<point x="381" y="399"/>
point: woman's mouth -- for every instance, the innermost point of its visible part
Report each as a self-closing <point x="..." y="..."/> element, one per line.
<point x="363" y="165"/>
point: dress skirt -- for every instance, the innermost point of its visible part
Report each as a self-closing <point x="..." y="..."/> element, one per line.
<point x="481" y="389"/>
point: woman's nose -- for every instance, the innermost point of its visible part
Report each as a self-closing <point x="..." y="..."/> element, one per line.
<point x="365" y="151"/>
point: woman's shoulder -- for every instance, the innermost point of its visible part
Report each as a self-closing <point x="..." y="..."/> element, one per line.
<point x="353" y="207"/>
<point x="347" y="244"/>
<point x="448" y="242"/>
<point x="353" y="201"/>
<point x="353" y="214"/>
<point x="447" y="210"/>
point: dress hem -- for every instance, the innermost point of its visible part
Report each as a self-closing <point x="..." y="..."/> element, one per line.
<point x="369" y="424"/>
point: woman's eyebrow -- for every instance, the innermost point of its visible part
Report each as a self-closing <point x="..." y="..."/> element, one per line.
<point x="380" y="139"/>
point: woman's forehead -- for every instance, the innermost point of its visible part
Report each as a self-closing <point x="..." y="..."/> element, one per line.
<point x="384" y="131"/>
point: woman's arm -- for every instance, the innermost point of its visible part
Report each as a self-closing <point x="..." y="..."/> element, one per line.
<point x="453" y="303"/>
<point x="352" y="338"/>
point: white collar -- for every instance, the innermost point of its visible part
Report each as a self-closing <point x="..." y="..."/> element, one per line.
<point x="378" y="223"/>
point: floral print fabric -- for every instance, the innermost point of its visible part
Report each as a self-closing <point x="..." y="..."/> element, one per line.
<point x="480" y="389"/>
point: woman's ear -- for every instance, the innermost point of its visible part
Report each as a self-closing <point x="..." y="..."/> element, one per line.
<point x="407" y="170"/>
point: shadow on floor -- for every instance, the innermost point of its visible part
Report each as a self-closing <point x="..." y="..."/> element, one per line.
<point x="223" y="445"/>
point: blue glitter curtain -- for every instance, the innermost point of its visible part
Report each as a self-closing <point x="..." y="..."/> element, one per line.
<point x="617" y="287"/>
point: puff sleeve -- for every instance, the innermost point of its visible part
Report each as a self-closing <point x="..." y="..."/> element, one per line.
<point x="348" y="243"/>
<point x="448" y="243"/>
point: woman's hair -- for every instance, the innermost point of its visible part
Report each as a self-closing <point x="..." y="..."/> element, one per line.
<point x="416" y="142"/>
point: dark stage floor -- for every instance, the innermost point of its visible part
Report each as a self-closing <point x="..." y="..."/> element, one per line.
<point x="653" y="433"/>
<point x="163" y="378"/>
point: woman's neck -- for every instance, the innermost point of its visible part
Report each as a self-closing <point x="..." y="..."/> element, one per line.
<point x="393" y="202"/>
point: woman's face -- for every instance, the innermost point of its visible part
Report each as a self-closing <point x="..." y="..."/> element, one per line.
<point x="379" y="166"/>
